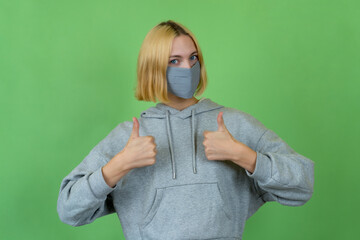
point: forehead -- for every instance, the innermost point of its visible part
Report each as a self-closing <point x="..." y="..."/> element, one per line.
<point x="182" y="45"/>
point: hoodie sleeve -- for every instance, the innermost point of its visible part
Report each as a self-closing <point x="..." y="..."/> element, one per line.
<point x="280" y="173"/>
<point x="84" y="194"/>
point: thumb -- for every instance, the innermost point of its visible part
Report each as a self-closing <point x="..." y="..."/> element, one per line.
<point x="220" y="121"/>
<point x="135" y="129"/>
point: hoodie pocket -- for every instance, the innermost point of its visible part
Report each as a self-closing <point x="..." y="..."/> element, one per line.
<point x="190" y="211"/>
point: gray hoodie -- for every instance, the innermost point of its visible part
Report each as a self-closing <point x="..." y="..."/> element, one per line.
<point x="184" y="195"/>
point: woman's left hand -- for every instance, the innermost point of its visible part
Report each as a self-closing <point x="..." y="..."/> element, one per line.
<point x="221" y="145"/>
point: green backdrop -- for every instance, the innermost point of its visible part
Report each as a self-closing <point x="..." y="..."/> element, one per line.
<point x="67" y="74"/>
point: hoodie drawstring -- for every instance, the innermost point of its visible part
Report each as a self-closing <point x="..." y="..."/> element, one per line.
<point x="168" y="128"/>
<point x="170" y="144"/>
<point x="193" y="140"/>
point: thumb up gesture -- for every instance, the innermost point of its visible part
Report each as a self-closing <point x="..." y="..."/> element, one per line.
<point x="221" y="145"/>
<point x="140" y="151"/>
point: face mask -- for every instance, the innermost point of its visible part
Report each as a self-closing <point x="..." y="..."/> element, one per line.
<point x="183" y="82"/>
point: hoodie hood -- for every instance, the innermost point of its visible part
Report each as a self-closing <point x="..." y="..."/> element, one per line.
<point x="163" y="111"/>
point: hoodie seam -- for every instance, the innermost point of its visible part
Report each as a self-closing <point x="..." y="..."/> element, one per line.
<point x="256" y="146"/>
<point x="186" y="184"/>
<point x="103" y="156"/>
<point x="290" y="186"/>
<point x="255" y="182"/>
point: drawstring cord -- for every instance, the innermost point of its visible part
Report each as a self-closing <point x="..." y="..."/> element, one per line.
<point x="168" y="128"/>
<point x="193" y="140"/>
<point x="170" y="144"/>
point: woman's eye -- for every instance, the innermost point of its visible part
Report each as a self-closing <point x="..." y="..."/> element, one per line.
<point x="174" y="61"/>
<point x="194" y="57"/>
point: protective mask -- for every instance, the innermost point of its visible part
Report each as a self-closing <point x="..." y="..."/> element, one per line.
<point x="183" y="82"/>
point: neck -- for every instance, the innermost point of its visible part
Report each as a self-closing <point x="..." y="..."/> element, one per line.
<point x="180" y="103"/>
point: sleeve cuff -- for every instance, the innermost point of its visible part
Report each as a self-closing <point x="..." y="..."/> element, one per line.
<point x="262" y="170"/>
<point x="98" y="185"/>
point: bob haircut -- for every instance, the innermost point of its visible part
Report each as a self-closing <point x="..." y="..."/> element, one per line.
<point x="153" y="60"/>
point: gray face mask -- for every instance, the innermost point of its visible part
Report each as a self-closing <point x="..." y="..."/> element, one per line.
<point x="183" y="82"/>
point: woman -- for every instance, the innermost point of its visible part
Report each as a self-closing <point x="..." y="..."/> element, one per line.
<point x="188" y="168"/>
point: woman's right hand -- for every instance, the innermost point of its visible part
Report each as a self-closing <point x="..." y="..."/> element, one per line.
<point x="140" y="151"/>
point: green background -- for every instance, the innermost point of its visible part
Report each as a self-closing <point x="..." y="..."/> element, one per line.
<point x="67" y="75"/>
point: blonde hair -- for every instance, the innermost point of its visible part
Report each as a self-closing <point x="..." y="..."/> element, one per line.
<point x="153" y="61"/>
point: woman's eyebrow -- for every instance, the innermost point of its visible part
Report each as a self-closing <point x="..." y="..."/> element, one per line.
<point x="181" y="56"/>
